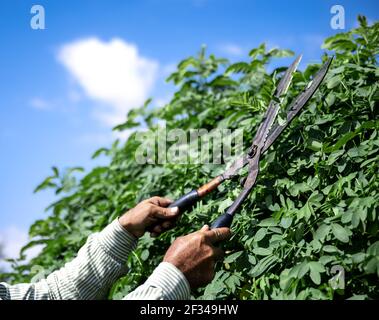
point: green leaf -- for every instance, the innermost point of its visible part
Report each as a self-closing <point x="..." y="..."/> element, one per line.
<point x="285" y="280"/>
<point x="145" y="255"/>
<point x="279" y="53"/>
<point x="331" y="249"/>
<point x="303" y="269"/>
<point x="269" y="222"/>
<point x="316" y="266"/>
<point x="315" y="276"/>
<point x="252" y="260"/>
<point x="330" y="99"/>
<point x="45" y="184"/>
<point x="322" y="231"/>
<point x="326" y="259"/>
<point x="240" y="67"/>
<point x="373" y="250"/>
<point x="258" y="51"/>
<point x="260" y="234"/>
<point x="299" y="271"/>
<point x="263" y="265"/>
<point x="333" y="82"/>
<point x="224" y="205"/>
<point x="286" y="222"/>
<point x="233" y="282"/>
<point x="233" y="257"/>
<point x="100" y="151"/>
<point x="372" y="266"/>
<point x="350" y="135"/>
<point x="358" y="257"/>
<point x="340" y="232"/>
<point x="262" y="251"/>
<point x="314" y="145"/>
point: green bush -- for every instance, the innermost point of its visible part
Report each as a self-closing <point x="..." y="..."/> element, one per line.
<point x="315" y="202"/>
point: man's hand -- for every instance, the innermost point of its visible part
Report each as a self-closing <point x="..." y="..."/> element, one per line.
<point x="195" y="255"/>
<point x="150" y="212"/>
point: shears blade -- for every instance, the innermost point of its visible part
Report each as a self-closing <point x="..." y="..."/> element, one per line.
<point x="274" y="130"/>
<point x="281" y="89"/>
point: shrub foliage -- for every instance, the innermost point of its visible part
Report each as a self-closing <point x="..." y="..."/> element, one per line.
<point x="315" y="202"/>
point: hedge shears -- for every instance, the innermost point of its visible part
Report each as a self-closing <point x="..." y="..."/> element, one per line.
<point x="265" y="136"/>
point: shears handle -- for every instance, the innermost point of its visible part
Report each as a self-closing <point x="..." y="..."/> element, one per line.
<point x="185" y="202"/>
<point x="188" y="200"/>
<point x="226" y="219"/>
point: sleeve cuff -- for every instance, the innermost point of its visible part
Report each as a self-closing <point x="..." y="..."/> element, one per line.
<point x="171" y="280"/>
<point x="117" y="241"/>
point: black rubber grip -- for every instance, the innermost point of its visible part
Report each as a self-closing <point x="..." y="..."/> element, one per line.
<point x="225" y="220"/>
<point x="185" y="202"/>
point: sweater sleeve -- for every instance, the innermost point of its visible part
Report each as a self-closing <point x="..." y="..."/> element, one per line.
<point x="166" y="283"/>
<point x="99" y="263"/>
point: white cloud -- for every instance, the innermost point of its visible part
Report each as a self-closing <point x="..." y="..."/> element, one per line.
<point x="231" y="49"/>
<point x="112" y="73"/>
<point x="12" y="240"/>
<point x="40" y="104"/>
<point x="74" y="96"/>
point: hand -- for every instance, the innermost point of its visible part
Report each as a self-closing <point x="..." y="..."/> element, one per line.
<point x="150" y="212"/>
<point x="195" y="255"/>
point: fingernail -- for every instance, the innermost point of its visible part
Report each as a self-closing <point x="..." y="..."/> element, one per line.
<point x="174" y="210"/>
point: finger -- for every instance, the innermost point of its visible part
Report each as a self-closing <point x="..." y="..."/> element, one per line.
<point x="168" y="224"/>
<point x="218" y="254"/>
<point x="165" y="213"/>
<point x="204" y="228"/>
<point x="157" y="229"/>
<point x="217" y="234"/>
<point x="161" y="202"/>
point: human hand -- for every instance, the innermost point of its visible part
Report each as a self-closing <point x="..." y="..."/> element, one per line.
<point x="150" y="213"/>
<point x="195" y="256"/>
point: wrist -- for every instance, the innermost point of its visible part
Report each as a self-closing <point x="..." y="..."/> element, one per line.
<point x="129" y="226"/>
<point x="171" y="280"/>
<point x="117" y="241"/>
<point x="177" y="265"/>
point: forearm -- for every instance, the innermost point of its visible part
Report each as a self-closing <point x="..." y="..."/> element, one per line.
<point x="99" y="263"/>
<point x="166" y="283"/>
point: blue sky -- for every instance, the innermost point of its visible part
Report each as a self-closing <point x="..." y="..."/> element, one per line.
<point x="58" y="107"/>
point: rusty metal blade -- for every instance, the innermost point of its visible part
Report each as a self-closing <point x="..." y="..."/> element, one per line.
<point x="298" y="104"/>
<point x="267" y="121"/>
<point x="272" y="110"/>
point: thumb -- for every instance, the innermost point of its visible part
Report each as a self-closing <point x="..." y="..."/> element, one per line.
<point x="204" y="228"/>
<point x="218" y="234"/>
<point x="165" y="213"/>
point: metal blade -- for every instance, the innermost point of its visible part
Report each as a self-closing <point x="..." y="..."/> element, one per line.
<point x="294" y="108"/>
<point x="285" y="82"/>
<point x="237" y="165"/>
<point x="248" y="186"/>
<point x="271" y="112"/>
<point x="298" y="104"/>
